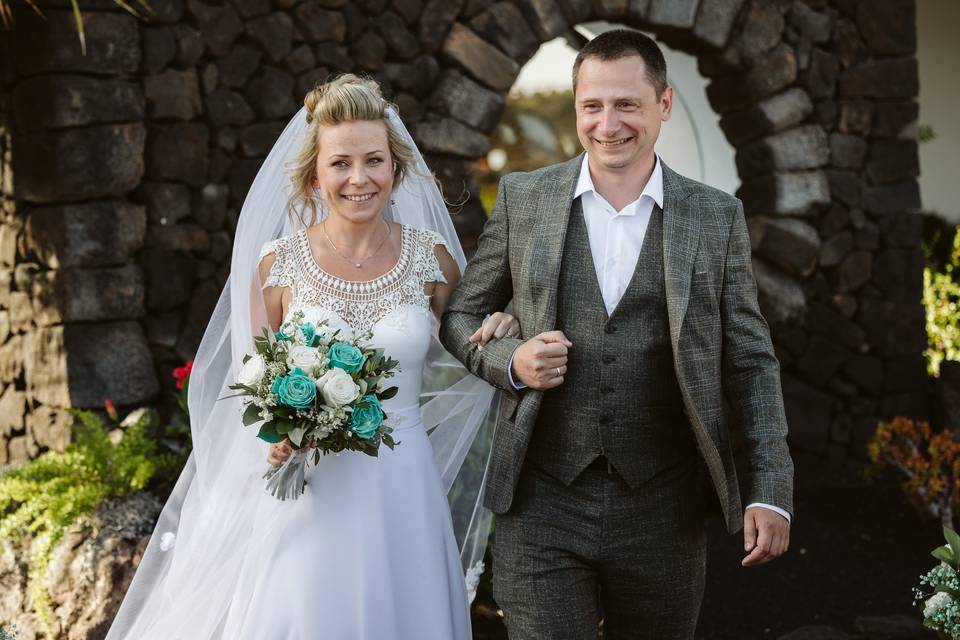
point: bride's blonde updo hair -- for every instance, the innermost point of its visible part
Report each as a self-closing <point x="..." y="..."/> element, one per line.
<point x="347" y="98"/>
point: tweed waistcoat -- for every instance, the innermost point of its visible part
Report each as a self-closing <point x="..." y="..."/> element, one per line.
<point x="620" y="397"/>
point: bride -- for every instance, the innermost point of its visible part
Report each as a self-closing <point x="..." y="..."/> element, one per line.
<point x="357" y="237"/>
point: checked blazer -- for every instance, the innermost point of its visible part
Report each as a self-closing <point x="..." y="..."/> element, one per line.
<point x="722" y="353"/>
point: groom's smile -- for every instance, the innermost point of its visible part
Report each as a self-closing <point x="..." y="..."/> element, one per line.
<point x="613" y="143"/>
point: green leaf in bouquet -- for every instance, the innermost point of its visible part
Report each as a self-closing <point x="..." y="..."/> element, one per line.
<point x="943" y="554"/>
<point x="363" y="386"/>
<point x="268" y="433"/>
<point x="251" y="415"/>
<point x="296" y="436"/>
<point x="284" y="427"/>
<point x="388" y="393"/>
<point x="388" y="440"/>
<point x="954" y="541"/>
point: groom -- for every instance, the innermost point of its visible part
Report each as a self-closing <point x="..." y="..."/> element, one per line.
<point x="642" y="343"/>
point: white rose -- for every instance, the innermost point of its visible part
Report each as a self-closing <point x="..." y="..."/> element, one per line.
<point x="337" y="387"/>
<point x="305" y="358"/>
<point x="252" y="371"/>
<point x="936" y="602"/>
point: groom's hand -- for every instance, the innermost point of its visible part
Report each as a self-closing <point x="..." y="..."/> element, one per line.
<point x="766" y="536"/>
<point x="541" y="362"/>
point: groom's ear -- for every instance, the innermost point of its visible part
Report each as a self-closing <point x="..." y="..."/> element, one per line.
<point x="666" y="103"/>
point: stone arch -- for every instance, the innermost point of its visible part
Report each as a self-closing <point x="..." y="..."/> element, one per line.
<point x="125" y="168"/>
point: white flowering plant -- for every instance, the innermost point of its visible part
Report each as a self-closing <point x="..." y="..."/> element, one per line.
<point x="939" y="592"/>
<point x="318" y="390"/>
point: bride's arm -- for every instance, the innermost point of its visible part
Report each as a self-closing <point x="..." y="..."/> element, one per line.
<point x="495" y="326"/>
<point x="276" y="306"/>
<point x="442" y="291"/>
<point x="274" y="298"/>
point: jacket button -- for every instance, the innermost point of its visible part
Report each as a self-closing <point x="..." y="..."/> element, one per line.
<point x="605" y="419"/>
<point x="609" y="328"/>
<point x="609" y="359"/>
<point x="606" y="389"/>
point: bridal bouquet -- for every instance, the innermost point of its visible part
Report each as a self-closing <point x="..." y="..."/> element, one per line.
<point x="318" y="390"/>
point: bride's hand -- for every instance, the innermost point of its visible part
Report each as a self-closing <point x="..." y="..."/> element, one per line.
<point x="495" y="326"/>
<point x="279" y="453"/>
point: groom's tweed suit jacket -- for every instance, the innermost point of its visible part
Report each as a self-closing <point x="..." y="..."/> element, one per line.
<point x="720" y="342"/>
<point x="628" y="406"/>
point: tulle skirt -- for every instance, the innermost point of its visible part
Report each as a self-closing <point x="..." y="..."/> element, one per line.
<point x="366" y="553"/>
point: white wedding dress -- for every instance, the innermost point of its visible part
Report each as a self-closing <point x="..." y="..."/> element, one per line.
<point x="368" y="551"/>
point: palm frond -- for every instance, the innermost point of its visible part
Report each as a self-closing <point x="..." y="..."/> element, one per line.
<point x="6" y="15"/>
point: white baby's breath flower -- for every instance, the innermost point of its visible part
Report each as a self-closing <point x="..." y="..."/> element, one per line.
<point x="472" y="579"/>
<point x="252" y="370"/>
<point x="167" y="540"/>
<point x="337" y="387"/>
<point x="936" y="602"/>
<point x="303" y="357"/>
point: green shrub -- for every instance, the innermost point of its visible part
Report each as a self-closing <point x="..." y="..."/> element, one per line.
<point x="941" y="301"/>
<point x="43" y="498"/>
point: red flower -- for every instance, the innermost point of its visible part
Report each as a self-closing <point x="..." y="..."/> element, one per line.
<point x="182" y="373"/>
<point x="111" y="410"/>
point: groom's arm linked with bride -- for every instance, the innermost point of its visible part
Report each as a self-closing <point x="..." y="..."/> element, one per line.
<point x="642" y="344"/>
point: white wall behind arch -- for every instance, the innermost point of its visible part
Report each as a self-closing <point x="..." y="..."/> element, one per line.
<point x="692" y="142"/>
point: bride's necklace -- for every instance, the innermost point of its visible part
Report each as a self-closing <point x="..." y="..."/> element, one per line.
<point x="357" y="264"/>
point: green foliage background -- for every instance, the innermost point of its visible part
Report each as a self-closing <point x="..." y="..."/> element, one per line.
<point x="941" y="294"/>
<point x="42" y="499"/>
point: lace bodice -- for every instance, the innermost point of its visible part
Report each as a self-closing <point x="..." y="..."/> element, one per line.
<point x="359" y="304"/>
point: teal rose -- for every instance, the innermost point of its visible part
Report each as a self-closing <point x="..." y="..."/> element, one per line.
<point x="346" y="356"/>
<point x="295" y="390"/>
<point x="367" y="417"/>
<point x="285" y="333"/>
<point x="309" y="332"/>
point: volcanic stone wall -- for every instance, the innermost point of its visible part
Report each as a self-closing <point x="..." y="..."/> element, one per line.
<point x="130" y="164"/>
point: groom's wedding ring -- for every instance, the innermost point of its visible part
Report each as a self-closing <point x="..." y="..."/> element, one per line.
<point x="558" y="372"/>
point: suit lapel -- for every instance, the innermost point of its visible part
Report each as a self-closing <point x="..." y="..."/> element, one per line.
<point x="547" y="241"/>
<point x="681" y="240"/>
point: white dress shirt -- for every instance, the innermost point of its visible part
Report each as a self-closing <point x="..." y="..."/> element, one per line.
<point x="616" y="238"/>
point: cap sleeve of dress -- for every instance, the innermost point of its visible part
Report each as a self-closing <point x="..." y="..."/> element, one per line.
<point x="428" y="241"/>
<point x="282" y="270"/>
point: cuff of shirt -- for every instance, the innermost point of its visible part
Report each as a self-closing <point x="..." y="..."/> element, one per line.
<point x="768" y="506"/>
<point x="518" y="386"/>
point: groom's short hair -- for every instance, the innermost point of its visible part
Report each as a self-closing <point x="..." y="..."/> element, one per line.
<point x="621" y="43"/>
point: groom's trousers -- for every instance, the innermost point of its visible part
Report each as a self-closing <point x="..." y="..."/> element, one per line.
<point x="567" y="556"/>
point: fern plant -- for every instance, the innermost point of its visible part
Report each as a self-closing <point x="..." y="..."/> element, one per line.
<point x="43" y="498"/>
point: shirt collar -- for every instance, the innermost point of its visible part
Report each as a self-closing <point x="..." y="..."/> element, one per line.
<point x="653" y="189"/>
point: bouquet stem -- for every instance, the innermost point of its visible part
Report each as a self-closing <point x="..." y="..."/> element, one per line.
<point x="286" y="481"/>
